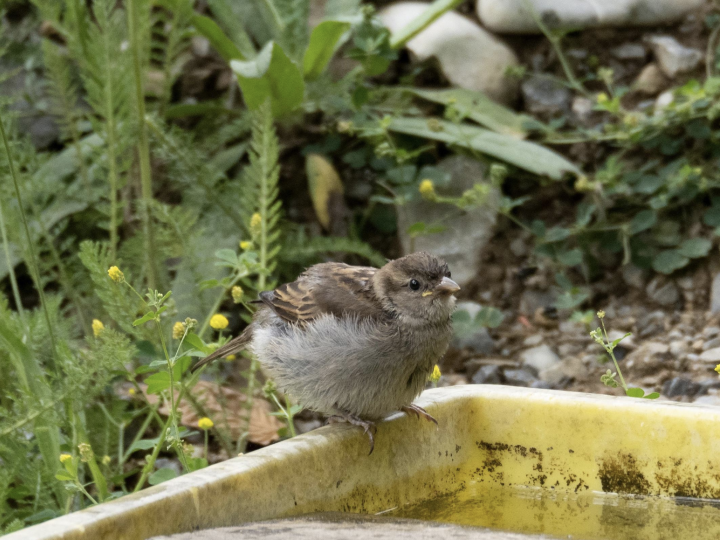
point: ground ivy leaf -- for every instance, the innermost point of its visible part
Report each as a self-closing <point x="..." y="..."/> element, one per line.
<point x="666" y="262"/>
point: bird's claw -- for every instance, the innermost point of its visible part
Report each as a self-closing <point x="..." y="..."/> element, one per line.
<point x="369" y="428"/>
<point x="418" y="412"/>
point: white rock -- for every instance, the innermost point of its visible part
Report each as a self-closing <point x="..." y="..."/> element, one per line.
<point x="629" y="51"/>
<point x="715" y="294"/>
<point x="673" y="57"/>
<point x="469" y="56"/>
<point x="627" y="342"/>
<point x="711" y="356"/>
<point x="541" y="358"/>
<point x="513" y="16"/>
<point x="663" y="100"/>
<point x="466" y="233"/>
<point x="650" y="80"/>
<point x="531" y="341"/>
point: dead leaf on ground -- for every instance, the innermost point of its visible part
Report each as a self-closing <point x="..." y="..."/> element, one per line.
<point x="226" y="408"/>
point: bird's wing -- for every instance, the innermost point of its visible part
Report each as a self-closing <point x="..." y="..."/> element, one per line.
<point x="329" y="288"/>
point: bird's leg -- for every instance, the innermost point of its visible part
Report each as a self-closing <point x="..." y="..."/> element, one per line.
<point x="369" y="428"/>
<point x="418" y="412"/>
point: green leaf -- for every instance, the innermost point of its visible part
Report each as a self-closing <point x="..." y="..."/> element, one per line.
<point x="712" y="215"/>
<point x="227" y="255"/>
<point x="158" y="382"/>
<point x="555" y="234"/>
<point x="150" y="315"/>
<point x="144" y="444"/>
<point x="635" y="392"/>
<point x="489" y="317"/>
<point x="161" y="475"/>
<point x="654" y="395"/>
<point x="618" y="340"/>
<point x="643" y="221"/>
<point x="526" y="155"/>
<point x="479" y="108"/>
<point x="666" y="262"/>
<point x="222" y="44"/>
<point x="63" y="476"/>
<point x="196" y="342"/>
<point x="422" y="21"/>
<point x="695" y="248"/>
<point x="572" y="257"/>
<point x="325" y="39"/>
<point x="271" y="74"/>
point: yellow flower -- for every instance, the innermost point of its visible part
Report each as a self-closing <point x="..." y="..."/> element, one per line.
<point x="255" y="223"/>
<point x="218" y="322"/>
<point x="245" y="245"/>
<point x="230" y="357"/>
<point x="86" y="452"/>
<point x="717" y="368"/>
<point x="435" y="376"/>
<point x="178" y="330"/>
<point x="97" y="327"/>
<point x="237" y="294"/>
<point x="106" y="460"/>
<point x="601" y="314"/>
<point x="65" y="457"/>
<point x="602" y="97"/>
<point x="116" y="274"/>
<point x="205" y="423"/>
<point x="132" y="392"/>
<point x="427" y="189"/>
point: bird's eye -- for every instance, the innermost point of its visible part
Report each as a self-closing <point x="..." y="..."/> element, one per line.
<point x="449" y="274"/>
<point x="414" y="284"/>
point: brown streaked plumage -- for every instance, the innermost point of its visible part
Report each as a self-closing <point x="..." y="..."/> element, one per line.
<point x="354" y="342"/>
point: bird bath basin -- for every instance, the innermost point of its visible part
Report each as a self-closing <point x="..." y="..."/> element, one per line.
<point x="516" y="459"/>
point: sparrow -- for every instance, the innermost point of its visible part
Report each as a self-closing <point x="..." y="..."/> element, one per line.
<point x="354" y="342"/>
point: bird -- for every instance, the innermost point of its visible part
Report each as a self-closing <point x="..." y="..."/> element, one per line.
<point x="355" y="343"/>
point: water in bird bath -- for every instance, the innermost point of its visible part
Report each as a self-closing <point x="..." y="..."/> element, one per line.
<point x="587" y="516"/>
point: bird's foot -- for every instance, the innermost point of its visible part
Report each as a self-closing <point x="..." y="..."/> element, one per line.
<point x="418" y="412"/>
<point x="369" y="428"/>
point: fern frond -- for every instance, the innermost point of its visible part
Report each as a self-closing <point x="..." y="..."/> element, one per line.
<point x="261" y="192"/>
<point x="170" y="38"/>
<point x="119" y="303"/>
<point x="306" y="251"/>
<point x="105" y="71"/>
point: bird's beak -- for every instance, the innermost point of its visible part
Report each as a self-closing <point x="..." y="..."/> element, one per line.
<point x="447" y="286"/>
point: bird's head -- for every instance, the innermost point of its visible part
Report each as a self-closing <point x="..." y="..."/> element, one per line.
<point x="416" y="288"/>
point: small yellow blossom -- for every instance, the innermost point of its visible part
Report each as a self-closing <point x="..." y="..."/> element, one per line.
<point x="106" y="460"/>
<point x="344" y="126"/>
<point x="427" y="189"/>
<point x="132" y="392"/>
<point x="205" y="423"/>
<point x="602" y="97"/>
<point x="86" y="452"/>
<point x="245" y="245"/>
<point x="237" y="294"/>
<point x="218" y="322"/>
<point x="116" y="274"/>
<point x="65" y="457"/>
<point x="601" y="314"/>
<point x="435" y="376"/>
<point x="717" y="369"/>
<point x="230" y="357"/>
<point x="255" y="223"/>
<point x="97" y="327"/>
<point x="178" y="330"/>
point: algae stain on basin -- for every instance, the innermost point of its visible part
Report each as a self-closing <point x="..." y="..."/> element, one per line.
<point x="587" y="515"/>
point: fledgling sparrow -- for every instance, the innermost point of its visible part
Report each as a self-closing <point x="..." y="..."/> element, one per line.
<point x="354" y="342"/>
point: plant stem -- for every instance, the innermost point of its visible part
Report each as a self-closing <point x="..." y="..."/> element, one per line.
<point x="612" y="355"/>
<point x="142" y="144"/>
<point x="422" y="21"/>
<point x="11" y="268"/>
<point x="31" y="249"/>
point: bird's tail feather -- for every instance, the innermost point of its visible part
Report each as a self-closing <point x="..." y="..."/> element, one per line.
<point x="233" y="346"/>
